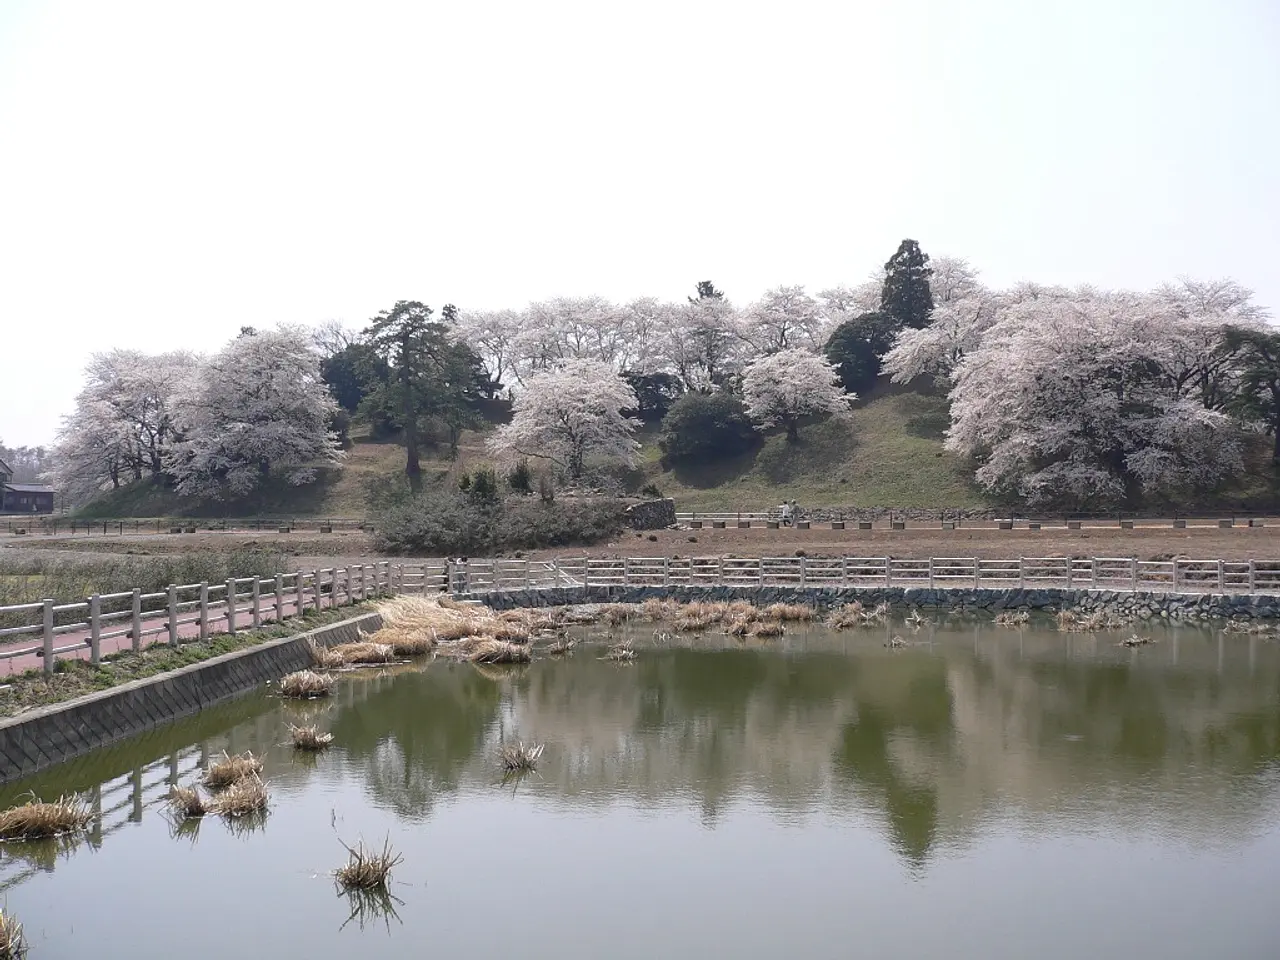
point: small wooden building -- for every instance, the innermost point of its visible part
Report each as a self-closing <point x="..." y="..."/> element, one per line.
<point x="23" y="497"/>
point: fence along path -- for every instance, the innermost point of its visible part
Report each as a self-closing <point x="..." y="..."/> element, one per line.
<point x="1096" y="573"/>
<point x="107" y="623"/>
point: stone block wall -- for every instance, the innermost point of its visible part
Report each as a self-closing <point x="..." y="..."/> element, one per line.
<point x="39" y="739"/>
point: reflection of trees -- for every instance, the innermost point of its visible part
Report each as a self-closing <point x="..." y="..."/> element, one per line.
<point x="415" y="736"/>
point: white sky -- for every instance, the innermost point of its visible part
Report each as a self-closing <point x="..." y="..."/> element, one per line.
<point x="172" y="171"/>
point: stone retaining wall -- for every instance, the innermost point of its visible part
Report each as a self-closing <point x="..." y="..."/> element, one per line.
<point x="1176" y="606"/>
<point x="41" y="738"/>
<point x="652" y="514"/>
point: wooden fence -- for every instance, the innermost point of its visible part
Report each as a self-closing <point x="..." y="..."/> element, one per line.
<point x="1097" y="573"/>
<point x="194" y="611"/>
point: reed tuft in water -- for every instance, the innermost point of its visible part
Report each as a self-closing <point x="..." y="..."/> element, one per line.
<point x="517" y="758"/>
<point x="366" y="868"/>
<point x="306" y="685"/>
<point x="229" y="769"/>
<point x="622" y="652"/>
<point x="1012" y="618"/>
<point x="38" y="820"/>
<point x="309" y="738"/>
<point x="489" y="650"/>
<point x="246" y="796"/>
<point x="13" y="945"/>
<point x="187" y="803"/>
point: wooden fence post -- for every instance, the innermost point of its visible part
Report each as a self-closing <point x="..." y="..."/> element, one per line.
<point x="231" y="606"/>
<point x="1251" y="576"/>
<point x="300" y="588"/>
<point x="1070" y="564"/>
<point x="137" y="620"/>
<point x="95" y="629"/>
<point x="1222" y="583"/>
<point x="1022" y="574"/>
<point x="257" y="602"/>
<point x="204" y="611"/>
<point x="1133" y="574"/>
<point x="804" y="572"/>
<point x="977" y="565"/>
<point x="931" y="573"/>
<point x="47" y="610"/>
<point x="666" y="571"/>
<point x="279" y="591"/>
<point x="888" y="572"/>
<point x="316" y="600"/>
<point x="173" y="614"/>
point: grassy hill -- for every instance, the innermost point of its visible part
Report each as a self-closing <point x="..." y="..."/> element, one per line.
<point x="889" y="453"/>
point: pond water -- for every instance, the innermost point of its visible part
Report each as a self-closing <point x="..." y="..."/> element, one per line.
<point x="982" y="793"/>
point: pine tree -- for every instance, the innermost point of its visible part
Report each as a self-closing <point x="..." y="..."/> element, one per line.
<point x="906" y="296"/>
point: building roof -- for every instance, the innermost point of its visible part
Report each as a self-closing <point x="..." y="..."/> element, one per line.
<point x="4" y="467"/>
<point x="29" y="488"/>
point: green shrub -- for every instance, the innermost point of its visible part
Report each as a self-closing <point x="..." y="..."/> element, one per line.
<point x="520" y="479"/>
<point x="452" y="524"/>
<point x="706" y="426"/>
<point x="484" y="487"/>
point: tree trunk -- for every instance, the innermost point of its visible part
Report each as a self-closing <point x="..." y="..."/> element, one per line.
<point x="793" y="432"/>
<point x="412" y="465"/>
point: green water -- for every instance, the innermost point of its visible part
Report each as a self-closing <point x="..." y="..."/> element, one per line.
<point x="982" y="793"/>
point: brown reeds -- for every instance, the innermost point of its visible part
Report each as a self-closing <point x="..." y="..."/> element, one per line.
<point x="499" y="651"/>
<point x="787" y="612"/>
<point x="1012" y="618"/>
<point x="517" y="758"/>
<point x="405" y="641"/>
<point x="659" y="610"/>
<point x="367" y="868"/>
<point x="309" y="738"/>
<point x="223" y="773"/>
<point x="1071" y="621"/>
<point x="1136" y="641"/>
<point x="13" y="944"/>
<point x="187" y="803"/>
<point x="246" y="796"/>
<point x="766" y="628"/>
<point x="37" y="819"/>
<point x="622" y="652"/>
<point x="560" y="646"/>
<point x="306" y="685"/>
<point x="846" y="616"/>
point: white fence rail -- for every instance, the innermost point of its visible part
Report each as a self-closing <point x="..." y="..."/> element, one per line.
<point x="1110" y="573"/>
<point x="184" y="613"/>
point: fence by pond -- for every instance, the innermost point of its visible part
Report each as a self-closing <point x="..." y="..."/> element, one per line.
<point x="110" y="622"/>
<point x="49" y="525"/>
<point x="1096" y="573"/>
<point x="194" y="611"/>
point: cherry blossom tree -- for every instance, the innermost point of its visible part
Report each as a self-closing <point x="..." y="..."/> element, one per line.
<point x="789" y="385"/>
<point x="784" y="318"/>
<point x="1061" y="401"/>
<point x="570" y="415"/>
<point x="258" y="408"/>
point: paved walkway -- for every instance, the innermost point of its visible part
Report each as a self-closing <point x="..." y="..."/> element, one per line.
<point x="186" y="632"/>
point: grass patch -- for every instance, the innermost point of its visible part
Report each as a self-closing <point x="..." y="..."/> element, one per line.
<point x="517" y="758"/>
<point x="38" y="820"/>
<point x="229" y="769"/>
<point x="75" y="678"/>
<point x="186" y="803"/>
<point x="246" y="796"/>
<point x="309" y="738"/>
<point x="12" y="943"/>
<point x="489" y="650"/>
<point x="306" y="685"/>
<point x="367" y="868"/>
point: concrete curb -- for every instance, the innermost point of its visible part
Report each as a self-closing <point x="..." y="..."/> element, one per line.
<point x="49" y="735"/>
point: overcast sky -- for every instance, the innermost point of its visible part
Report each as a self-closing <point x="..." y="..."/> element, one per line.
<point x="172" y="171"/>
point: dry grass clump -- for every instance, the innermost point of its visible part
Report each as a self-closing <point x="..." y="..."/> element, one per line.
<point x="785" y="612"/>
<point x="499" y="651"/>
<point x="306" y="685"/>
<point x="247" y="795"/>
<point x="517" y="758"/>
<point x="309" y="738"/>
<point x="766" y="628"/>
<point x="405" y="642"/>
<point x="326" y="658"/>
<point x="1012" y="618"/>
<point x="560" y="646"/>
<point x="621" y="652"/>
<point x="1244" y="626"/>
<point x="616" y="613"/>
<point x="846" y="616"/>
<point x="229" y="769"/>
<point x="367" y="869"/>
<point x="659" y="610"/>
<point x="531" y="620"/>
<point x="444" y="620"/>
<point x="1136" y="641"/>
<point x="895" y="642"/>
<point x="690" y="622"/>
<point x="38" y="820"/>
<point x="1070" y="621"/>
<point x="13" y="945"/>
<point x="186" y="803"/>
<point x="365" y="652"/>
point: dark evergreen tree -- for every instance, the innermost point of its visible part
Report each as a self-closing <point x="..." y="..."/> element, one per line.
<point x="906" y="295"/>
<point x="1257" y="396"/>
<point x="707" y="291"/>
<point x="856" y="346"/>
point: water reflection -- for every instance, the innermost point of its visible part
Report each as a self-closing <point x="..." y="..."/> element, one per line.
<point x="1060" y="733"/>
